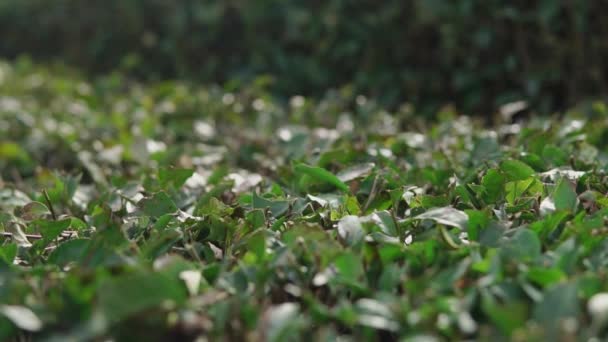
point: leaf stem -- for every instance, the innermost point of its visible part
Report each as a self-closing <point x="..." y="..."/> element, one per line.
<point x="49" y="203"/>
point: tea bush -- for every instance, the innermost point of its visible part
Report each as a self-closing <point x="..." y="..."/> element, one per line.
<point x="475" y="54"/>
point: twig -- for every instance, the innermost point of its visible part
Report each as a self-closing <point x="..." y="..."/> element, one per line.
<point x="64" y="234"/>
<point x="48" y="201"/>
<point x="372" y="194"/>
<point x="28" y="236"/>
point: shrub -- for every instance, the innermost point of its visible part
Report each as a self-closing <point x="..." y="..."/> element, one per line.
<point x="475" y="54"/>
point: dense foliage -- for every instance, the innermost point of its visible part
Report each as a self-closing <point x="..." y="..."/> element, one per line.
<point x="170" y="211"/>
<point x="476" y="54"/>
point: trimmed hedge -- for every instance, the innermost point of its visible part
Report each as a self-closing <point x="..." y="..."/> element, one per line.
<point x="475" y="54"/>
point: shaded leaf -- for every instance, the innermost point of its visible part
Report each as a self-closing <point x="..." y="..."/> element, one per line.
<point x="8" y="253"/>
<point x="122" y="297"/>
<point x="33" y="211"/>
<point x="174" y="176"/>
<point x="69" y="251"/>
<point x="524" y="246"/>
<point x="277" y="207"/>
<point x="158" y="205"/>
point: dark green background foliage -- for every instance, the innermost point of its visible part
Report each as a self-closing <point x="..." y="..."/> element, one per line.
<point x="476" y="54"/>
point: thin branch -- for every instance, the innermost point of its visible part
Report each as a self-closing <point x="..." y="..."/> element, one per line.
<point x="28" y="236"/>
<point x="49" y="203"/>
<point x="64" y="234"/>
<point x="372" y="194"/>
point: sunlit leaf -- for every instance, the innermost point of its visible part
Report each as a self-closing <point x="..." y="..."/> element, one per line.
<point x="447" y="216"/>
<point x="515" y="170"/>
<point x="351" y="230"/>
<point x="22" y="317"/>
<point x="321" y="175"/>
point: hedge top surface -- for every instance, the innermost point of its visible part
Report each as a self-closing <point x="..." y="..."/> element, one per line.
<point x="168" y="211"/>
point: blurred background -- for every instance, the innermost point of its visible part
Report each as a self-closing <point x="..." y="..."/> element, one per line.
<point x="475" y="55"/>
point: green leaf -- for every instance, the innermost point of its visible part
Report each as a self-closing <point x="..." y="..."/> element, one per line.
<point x="174" y="176"/>
<point x="545" y="276"/>
<point x="355" y="171"/>
<point x="277" y="207"/>
<point x="387" y="223"/>
<point x="515" y="170"/>
<point x="478" y="221"/>
<point x="429" y="202"/>
<point x="491" y="235"/>
<point x="33" y="211"/>
<point x="564" y="197"/>
<point x="13" y="151"/>
<point x="22" y="317"/>
<point x="351" y="230"/>
<point x="215" y="207"/>
<point x="352" y="205"/>
<point x="315" y="238"/>
<point x="122" y="297"/>
<point x="256" y="218"/>
<point x="160" y="242"/>
<point x="555" y="155"/>
<point x="321" y="175"/>
<point x="493" y="184"/>
<point x="349" y="266"/>
<point x="515" y="190"/>
<point x="524" y="246"/>
<point x="157" y="205"/>
<point x="559" y="302"/>
<point x="50" y="230"/>
<point x="256" y="243"/>
<point x="447" y="216"/>
<point x="77" y="224"/>
<point x="163" y="221"/>
<point x="8" y="253"/>
<point x="69" y="251"/>
<point x="508" y="316"/>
